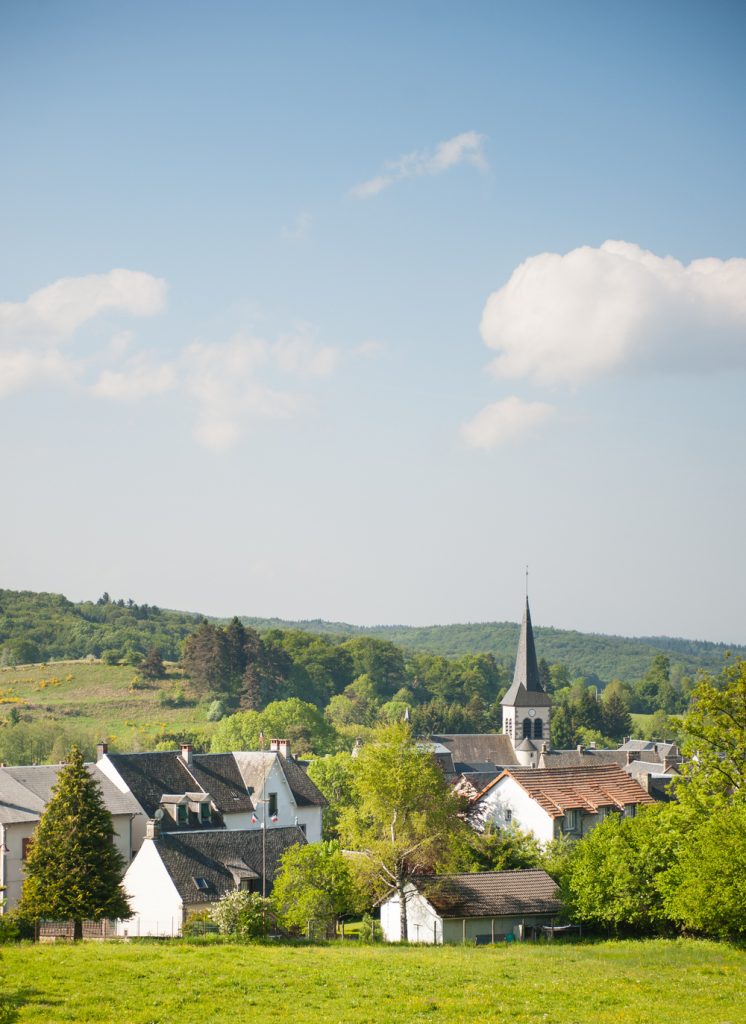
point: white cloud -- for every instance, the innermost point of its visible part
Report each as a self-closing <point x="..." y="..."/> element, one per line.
<point x="464" y="148"/>
<point x="32" y="332"/>
<point x="54" y="313"/>
<point x="140" y="378"/>
<point x="506" y="420"/>
<point x="568" y="319"/>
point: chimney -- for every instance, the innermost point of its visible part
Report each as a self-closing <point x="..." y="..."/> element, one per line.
<point x="102" y="748"/>
<point x="152" y="828"/>
<point x="593" y="744"/>
<point x="633" y="755"/>
<point x="186" y="753"/>
<point x="580" y="748"/>
<point x="280" y="747"/>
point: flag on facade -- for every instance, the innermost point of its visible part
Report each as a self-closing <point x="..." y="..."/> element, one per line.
<point x="254" y="819"/>
<point x="273" y="818"/>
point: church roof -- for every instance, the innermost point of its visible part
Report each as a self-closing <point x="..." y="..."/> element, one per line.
<point x="526" y="690"/>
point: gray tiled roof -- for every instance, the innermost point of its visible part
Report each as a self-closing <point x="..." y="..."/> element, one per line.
<point x="305" y="791"/>
<point x="491" y="893"/>
<point x="477" y="749"/>
<point x="150" y="775"/>
<point x="219" y="856"/>
<point x="17" y="803"/>
<point x="40" y="779"/>
<point x="582" y="759"/>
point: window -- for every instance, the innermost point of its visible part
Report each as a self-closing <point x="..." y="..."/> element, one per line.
<point x="182" y="814"/>
<point x="250" y="790"/>
<point x="272" y="805"/>
<point x="202" y="884"/>
<point x="508" y="815"/>
<point x="527" y="728"/>
<point x="25" y="848"/>
<point x="538" y="729"/>
<point x="571" y="821"/>
<point x="204" y="812"/>
<point x="247" y="885"/>
<point x="302" y="827"/>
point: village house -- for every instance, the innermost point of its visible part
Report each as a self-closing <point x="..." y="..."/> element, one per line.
<point x="481" y="908"/>
<point x="187" y="792"/>
<point x="202" y="792"/>
<point x="549" y="802"/>
<point x="177" y="873"/>
<point x="24" y="793"/>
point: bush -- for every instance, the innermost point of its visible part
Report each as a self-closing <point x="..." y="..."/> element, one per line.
<point x="241" y="914"/>
<point x="111" y="657"/>
<point x="216" y="711"/>
<point x="199" y="922"/>
<point x="370" y="930"/>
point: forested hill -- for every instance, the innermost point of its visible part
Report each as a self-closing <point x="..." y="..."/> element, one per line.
<point x="39" y="627"/>
<point x="608" y="657"/>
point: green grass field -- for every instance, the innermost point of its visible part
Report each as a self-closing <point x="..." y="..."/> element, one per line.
<point x="685" y="981"/>
<point x="106" y="701"/>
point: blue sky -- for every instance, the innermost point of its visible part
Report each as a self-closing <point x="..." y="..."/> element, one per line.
<point x="346" y="311"/>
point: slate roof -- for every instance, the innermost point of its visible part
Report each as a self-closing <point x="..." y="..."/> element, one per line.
<point x="526" y="689"/>
<point x="150" y="775"/>
<point x="561" y="789"/>
<point x="477" y="749"/>
<point x="220" y="857"/>
<point x="491" y="893"/>
<point x="38" y="780"/>
<point x="16" y="802"/>
<point x="305" y="791"/>
<point x="585" y="759"/>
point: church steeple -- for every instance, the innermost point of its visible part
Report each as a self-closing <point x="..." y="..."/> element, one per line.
<point x="526" y="665"/>
<point x="526" y="707"/>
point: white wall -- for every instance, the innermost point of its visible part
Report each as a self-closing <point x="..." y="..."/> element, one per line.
<point x="527" y="814"/>
<point x="423" y="924"/>
<point x="152" y="896"/>
<point x="12" y="861"/>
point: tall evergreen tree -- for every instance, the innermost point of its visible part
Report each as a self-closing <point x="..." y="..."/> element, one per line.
<point x="152" y="666"/>
<point x="73" y="869"/>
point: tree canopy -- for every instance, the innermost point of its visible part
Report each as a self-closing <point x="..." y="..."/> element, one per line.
<point x="73" y="869"/>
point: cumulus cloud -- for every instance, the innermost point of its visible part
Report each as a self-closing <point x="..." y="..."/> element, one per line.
<point x="139" y="378"/>
<point x="595" y="311"/>
<point x="464" y="148"/>
<point x="32" y="332"/>
<point x="55" y="312"/>
<point x="506" y="420"/>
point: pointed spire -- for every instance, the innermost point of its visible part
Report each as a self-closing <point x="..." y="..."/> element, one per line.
<point x="526" y="666"/>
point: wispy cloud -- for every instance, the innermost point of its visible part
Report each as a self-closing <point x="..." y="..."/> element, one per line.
<point x="232" y="384"/>
<point x="464" y="148"/>
<point x="506" y="420"/>
<point x="300" y="230"/>
<point x="618" y="308"/>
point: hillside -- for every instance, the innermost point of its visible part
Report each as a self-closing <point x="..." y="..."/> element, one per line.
<point x="39" y="627"/>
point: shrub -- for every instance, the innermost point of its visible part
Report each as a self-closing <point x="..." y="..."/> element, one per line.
<point x="241" y="914"/>
<point x="370" y="930"/>
<point x="216" y="711"/>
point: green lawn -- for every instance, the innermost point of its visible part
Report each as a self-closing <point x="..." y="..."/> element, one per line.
<point x="685" y="981"/>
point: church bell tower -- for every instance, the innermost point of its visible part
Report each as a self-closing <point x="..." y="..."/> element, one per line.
<point x="526" y="706"/>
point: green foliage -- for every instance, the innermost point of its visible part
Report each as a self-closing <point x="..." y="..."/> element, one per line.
<point x="334" y="776"/>
<point x="706" y="889"/>
<point x="241" y="914"/>
<point x="715" y="730"/>
<point x="496" y="849"/>
<point x="301" y="723"/>
<point x="216" y="711"/>
<point x="314" y="888"/>
<point x="406" y="818"/>
<point x="73" y="868"/>
<point x="370" y="930"/>
<point x="151" y="666"/>
<point x="616" y="873"/>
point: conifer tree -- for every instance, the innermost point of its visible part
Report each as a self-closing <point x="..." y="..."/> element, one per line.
<point x="73" y="869"/>
<point x="152" y="666"/>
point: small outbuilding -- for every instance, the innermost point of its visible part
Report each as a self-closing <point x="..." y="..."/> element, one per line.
<point x="478" y="908"/>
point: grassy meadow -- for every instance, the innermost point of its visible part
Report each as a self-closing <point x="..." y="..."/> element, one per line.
<point x="100" y="701"/>
<point x="686" y="981"/>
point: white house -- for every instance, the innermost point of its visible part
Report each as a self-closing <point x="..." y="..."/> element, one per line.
<point x="477" y="908"/>
<point x="549" y="802"/>
<point x="175" y="873"/>
<point x="193" y="792"/>
<point x="24" y="793"/>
